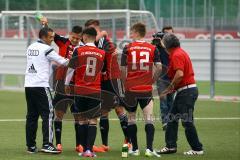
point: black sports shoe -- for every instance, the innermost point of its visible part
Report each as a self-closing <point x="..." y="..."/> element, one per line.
<point x="167" y="150"/>
<point x="49" y="148"/>
<point x="32" y="149"/>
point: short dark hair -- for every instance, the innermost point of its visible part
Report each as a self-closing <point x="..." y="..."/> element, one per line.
<point x="77" y="29"/>
<point x="44" y="32"/>
<point x="92" y="22"/>
<point x="90" y="31"/>
<point x="166" y="28"/>
<point x="170" y="40"/>
<point x="139" y="28"/>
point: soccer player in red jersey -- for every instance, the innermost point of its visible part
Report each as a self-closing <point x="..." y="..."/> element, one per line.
<point x="88" y="63"/>
<point x="140" y="66"/>
<point x="111" y="84"/>
<point x="61" y="100"/>
<point x="66" y="47"/>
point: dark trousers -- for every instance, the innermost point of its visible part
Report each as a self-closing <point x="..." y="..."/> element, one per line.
<point x="166" y="102"/>
<point x="39" y="103"/>
<point x="183" y="107"/>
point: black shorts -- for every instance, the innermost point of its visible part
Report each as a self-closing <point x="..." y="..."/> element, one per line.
<point x="132" y="99"/>
<point x="114" y="86"/>
<point x="87" y="104"/>
<point x="61" y="102"/>
<point x="114" y="90"/>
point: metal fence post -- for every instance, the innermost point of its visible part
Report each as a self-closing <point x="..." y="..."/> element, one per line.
<point x="127" y="4"/>
<point x="21" y="27"/>
<point x="38" y="5"/>
<point x="176" y="13"/>
<point x="1" y="81"/>
<point x="157" y="10"/>
<point x="193" y="13"/>
<point x="3" y="26"/>
<point x="28" y="32"/>
<point x="114" y="30"/>
<point x="128" y="24"/>
<point x="205" y="13"/>
<point x="69" y="22"/>
<point x="212" y="57"/>
<point x="184" y="13"/>
<point x="238" y="17"/>
<point x="172" y="12"/>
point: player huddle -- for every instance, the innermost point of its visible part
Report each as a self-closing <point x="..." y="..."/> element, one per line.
<point x="90" y="80"/>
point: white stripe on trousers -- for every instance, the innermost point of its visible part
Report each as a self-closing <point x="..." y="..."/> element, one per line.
<point x="50" y="118"/>
<point x="100" y="43"/>
<point x="120" y="88"/>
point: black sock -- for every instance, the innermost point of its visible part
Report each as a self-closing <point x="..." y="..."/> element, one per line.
<point x="58" y="131"/>
<point x="82" y="134"/>
<point x="91" y="136"/>
<point x="104" y="128"/>
<point x="124" y="123"/>
<point x="132" y="132"/>
<point x="149" y="129"/>
<point x="77" y="137"/>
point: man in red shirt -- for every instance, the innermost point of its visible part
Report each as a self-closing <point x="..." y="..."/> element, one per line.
<point x="138" y="62"/>
<point x="88" y="63"/>
<point x="61" y="101"/>
<point x="182" y="81"/>
<point x="111" y="85"/>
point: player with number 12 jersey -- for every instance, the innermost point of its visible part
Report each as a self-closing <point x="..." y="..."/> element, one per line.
<point x="139" y="57"/>
<point x="140" y="67"/>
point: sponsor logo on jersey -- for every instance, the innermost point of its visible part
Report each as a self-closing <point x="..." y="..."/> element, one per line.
<point x="33" y="52"/>
<point x="32" y="69"/>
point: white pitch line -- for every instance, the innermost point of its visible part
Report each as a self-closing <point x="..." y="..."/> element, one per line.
<point x="116" y="119"/>
<point x="223" y="118"/>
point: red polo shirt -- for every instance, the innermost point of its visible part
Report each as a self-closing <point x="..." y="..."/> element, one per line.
<point x="179" y="59"/>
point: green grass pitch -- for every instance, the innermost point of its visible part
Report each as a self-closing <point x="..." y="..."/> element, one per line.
<point x="221" y="88"/>
<point x="220" y="137"/>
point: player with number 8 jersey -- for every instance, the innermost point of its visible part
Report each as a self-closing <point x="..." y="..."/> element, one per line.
<point x="111" y="86"/>
<point x="88" y="61"/>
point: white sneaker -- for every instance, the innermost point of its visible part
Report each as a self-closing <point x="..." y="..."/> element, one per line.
<point x="87" y="153"/>
<point x="134" y="153"/>
<point x="164" y="126"/>
<point x="149" y="153"/>
<point x="192" y="152"/>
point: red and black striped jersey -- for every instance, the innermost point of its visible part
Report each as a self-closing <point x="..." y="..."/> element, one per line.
<point x="139" y="57"/>
<point x="66" y="51"/>
<point x="112" y="65"/>
<point x="88" y="62"/>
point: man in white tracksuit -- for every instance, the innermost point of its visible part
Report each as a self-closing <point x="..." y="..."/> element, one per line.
<point x="39" y="101"/>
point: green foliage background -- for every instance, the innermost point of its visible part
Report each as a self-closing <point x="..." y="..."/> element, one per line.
<point x="165" y="11"/>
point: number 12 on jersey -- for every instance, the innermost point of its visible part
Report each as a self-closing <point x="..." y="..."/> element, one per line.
<point x="144" y="58"/>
